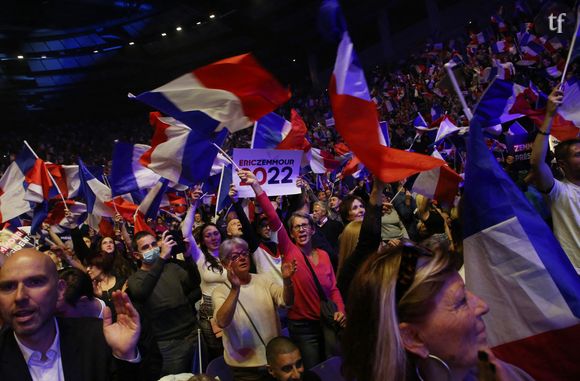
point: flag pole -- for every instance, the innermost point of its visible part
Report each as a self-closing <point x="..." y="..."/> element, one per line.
<point x="51" y="178"/>
<point x="571" y="49"/>
<point x="227" y="156"/>
<point x="112" y="198"/>
<point x="466" y="110"/>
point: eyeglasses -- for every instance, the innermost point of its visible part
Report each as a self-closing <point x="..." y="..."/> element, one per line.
<point x="297" y="228"/>
<point x="236" y="256"/>
<point x="408" y="267"/>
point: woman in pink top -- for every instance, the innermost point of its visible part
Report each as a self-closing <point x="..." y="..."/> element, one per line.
<point x="304" y="317"/>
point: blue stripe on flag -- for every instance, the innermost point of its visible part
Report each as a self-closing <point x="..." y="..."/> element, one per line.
<point x="268" y="133"/>
<point x="198" y="157"/>
<point x="491" y="198"/>
<point x="122" y="178"/>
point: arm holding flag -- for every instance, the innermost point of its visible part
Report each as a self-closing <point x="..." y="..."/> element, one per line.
<point x="193" y="249"/>
<point x="542" y="174"/>
<point x="249" y="234"/>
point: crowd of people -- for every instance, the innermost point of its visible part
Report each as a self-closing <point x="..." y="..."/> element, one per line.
<point x="364" y="270"/>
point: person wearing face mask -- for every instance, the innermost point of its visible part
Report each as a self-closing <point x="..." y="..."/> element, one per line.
<point x="163" y="290"/>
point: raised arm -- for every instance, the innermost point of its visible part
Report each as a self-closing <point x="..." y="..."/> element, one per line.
<point x="369" y="238"/>
<point x="249" y="234"/>
<point x="543" y="177"/>
<point x="193" y="249"/>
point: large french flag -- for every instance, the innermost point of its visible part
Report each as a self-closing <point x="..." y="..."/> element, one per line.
<point x="273" y="131"/>
<point x="231" y="93"/>
<point x="127" y="172"/>
<point x="39" y="183"/>
<point x="13" y="186"/>
<point x="514" y="262"/>
<point x="357" y="120"/>
<point x="179" y="153"/>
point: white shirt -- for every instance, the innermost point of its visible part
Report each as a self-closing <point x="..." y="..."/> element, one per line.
<point x="51" y="368"/>
<point x="565" y="208"/>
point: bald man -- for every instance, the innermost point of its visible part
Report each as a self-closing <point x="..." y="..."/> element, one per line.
<point x="285" y="361"/>
<point x="37" y="346"/>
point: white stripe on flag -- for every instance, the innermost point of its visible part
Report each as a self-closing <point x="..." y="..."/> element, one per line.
<point x="504" y="269"/>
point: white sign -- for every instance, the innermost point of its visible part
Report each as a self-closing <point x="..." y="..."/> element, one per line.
<point x="276" y="170"/>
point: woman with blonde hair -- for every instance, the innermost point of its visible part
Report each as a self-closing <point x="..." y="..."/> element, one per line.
<point x="411" y="318"/>
<point x="347" y="242"/>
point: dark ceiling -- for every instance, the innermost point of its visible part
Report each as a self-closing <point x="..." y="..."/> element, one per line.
<point x="79" y="58"/>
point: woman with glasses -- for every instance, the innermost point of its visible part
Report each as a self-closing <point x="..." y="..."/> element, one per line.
<point x="304" y="318"/>
<point x="411" y="318"/>
<point x="205" y="252"/>
<point x="246" y="310"/>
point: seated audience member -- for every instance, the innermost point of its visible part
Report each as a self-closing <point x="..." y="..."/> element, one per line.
<point x="162" y="289"/>
<point x="39" y="346"/>
<point x="410" y="318"/>
<point x="78" y="299"/>
<point x="285" y="361"/>
<point x="563" y="196"/>
<point x="246" y="310"/>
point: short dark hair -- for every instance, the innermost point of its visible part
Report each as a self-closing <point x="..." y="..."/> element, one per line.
<point x="78" y="284"/>
<point x="103" y="261"/>
<point x="346" y="204"/>
<point x="562" y="150"/>
<point x="296" y="215"/>
<point x="137" y="237"/>
<point x="279" y="346"/>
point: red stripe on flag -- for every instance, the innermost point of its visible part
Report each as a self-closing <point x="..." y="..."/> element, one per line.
<point x="158" y="136"/>
<point x="357" y="122"/>
<point x="258" y="90"/>
<point x="548" y="356"/>
<point x="447" y="186"/>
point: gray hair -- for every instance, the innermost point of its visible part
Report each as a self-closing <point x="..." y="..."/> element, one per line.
<point x="228" y="245"/>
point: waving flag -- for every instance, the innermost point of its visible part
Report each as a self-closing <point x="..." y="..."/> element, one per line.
<point x="56" y="216"/>
<point x="179" y="153"/>
<point x="439" y="184"/>
<point x="127" y="172"/>
<point x="13" y="186"/>
<point x="356" y="116"/>
<point x="149" y="207"/>
<point x="323" y="161"/>
<point x="446" y="128"/>
<point x="514" y="262"/>
<point x="231" y="93"/>
<point x="420" y="123"/>
<point x="122" y="206"/>
<point x="39" y="183"/>
<point x="495" y="105"/>
<point x="273" y="131"/>
<point x="67" y="178"/>
<point x="94" y="192"/>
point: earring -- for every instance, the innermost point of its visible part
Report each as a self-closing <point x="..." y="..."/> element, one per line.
<point x="440" y="363"/>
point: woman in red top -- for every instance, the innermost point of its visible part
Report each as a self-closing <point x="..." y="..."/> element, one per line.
<point x="304" y="316"/>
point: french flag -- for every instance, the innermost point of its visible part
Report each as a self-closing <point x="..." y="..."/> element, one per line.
<point x="57" y="214"/>
<point x="67" y="178"/>
<point x="439" y="184"/>
<point x="179" y="153"/>
<point x="122" y="206"/>
<point x="223" y="200"/>
<point x="231" y="93"/>
<point x="39" y="183"/>
<point x="420" y="124"/>
<point x="127" y="172"/>
<point x="514" y="262"/>
<point x="149" y="207"/>
<point x="499" y="47"/>
<point x="273" y="131"/>
<point x="13" y="186"/>
<point x="94" y="192"/>
<point x="446" y="128"/>
<point x="356" y="116"/>
<point x="323" y="161"/>
<point x="496" y="104"/>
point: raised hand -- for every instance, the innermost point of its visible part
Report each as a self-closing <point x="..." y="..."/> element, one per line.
<point x="233" y="278"/>
<point x="554" y="100"/>
<point x="195" y="193"/>
<point x="122" y="336"/>
<point x="288" y="269"/>
<point x="233" y="193"/>
<point x="167" y="243"/>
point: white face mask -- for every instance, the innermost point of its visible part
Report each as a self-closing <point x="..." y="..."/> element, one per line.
<point x="151" y="256"/>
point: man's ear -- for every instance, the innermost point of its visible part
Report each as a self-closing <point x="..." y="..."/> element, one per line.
<point x="60" y="288"/>
<point x="269" y="368"/>
<point x="412" y="340"/>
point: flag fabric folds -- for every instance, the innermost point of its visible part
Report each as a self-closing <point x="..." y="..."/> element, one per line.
<point x="357" y="121"/>
<point x="231" y="93"/>
<point x="149" y="207"/>
<point x="439" y="183"/>
<point x="273" y="131"/>
<point x="13" y="186"/>
<point x="514" y="262"/>
<point x="127" y="172"/>
<point x="222" y="199"/>
<point x="495" y="105"/>
<point x="94" y="192"/>
<point x="446" y="128"/>
<point x="323" y="161"/>
<point x="67" y="178"/>
<point x="179" y="153"/>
